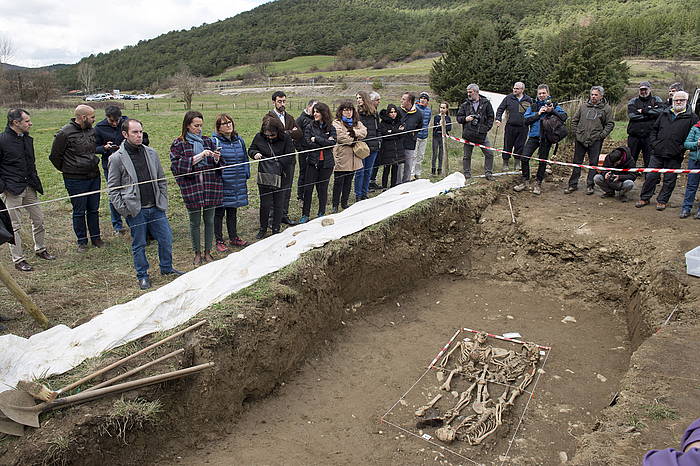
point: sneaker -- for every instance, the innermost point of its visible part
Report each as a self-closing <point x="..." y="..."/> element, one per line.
<point x="238" y="242"/>
<point x="685" y="213"/>
<point x="589" y="190"/>
<point x="660" y="206"/>
<point x="570" y="189"/>
<point x="221" y="246"/>
<point x="304" y="219"/>
<point x="537" y="189"/>
<point x="606" y="194"/>
<point x="641" y="203"/>
<point x="521" y="187"/>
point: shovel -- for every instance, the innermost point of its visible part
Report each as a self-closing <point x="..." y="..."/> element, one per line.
<point x="8" y="426"/>
<point x="43" y="393"/>
<point x="29" y="415"/>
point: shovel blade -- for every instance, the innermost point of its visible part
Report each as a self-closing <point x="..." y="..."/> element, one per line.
<point x="10" y="427"/>
<point x="18" y="406"/>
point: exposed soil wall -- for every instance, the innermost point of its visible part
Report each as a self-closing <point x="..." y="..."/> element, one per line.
<point x="260" y="336"/>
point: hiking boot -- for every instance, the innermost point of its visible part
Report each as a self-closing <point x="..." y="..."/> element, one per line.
<point x="570" y="189"/>
<point x="237" y="241"/>
<point x="641" y="203"/>
<point x="537" y="189"/>
<point x="660" y="206"/>
<point x="506" y="165"/>
<point x="685" y="213"/>
<point x="589" y="190"/>
<point x="525" y="185"/>
<point x="221" y="246"/>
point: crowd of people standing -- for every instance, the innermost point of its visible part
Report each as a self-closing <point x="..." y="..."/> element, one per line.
<point x="349" y="143"/>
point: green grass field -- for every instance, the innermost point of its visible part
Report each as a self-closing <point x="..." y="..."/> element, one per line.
<point x="292" y="66"/>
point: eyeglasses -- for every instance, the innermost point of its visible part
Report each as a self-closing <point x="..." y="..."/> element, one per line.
<point x="226" y="123"/>
<point x="680" y="100"/>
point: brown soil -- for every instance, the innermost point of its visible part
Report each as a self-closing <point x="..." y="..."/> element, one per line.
<point x="333" y="367"/>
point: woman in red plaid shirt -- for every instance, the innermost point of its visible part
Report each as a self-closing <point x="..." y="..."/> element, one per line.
<point x="194" y="162"/>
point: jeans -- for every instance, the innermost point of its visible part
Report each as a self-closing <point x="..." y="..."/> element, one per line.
<point x="611" y="186"/>
<point x="437" y="154"/>
<point x="637" y="145"/>
<point x="467" y="159"/>
<point x="116" y="217"/>
<point x="342" y="184"/>
<point x="531" y="146"/>
<point x="653" y="179"/>
<point x="36" y="216"/>
<point x="154" y="221"/>
<point x="421" y="145"/>
<point x="85" y="207"/>
<point x="231" y="223"/>
<point x="409" y="158"/>
<point x="363" y="175"/>
<point x="271" y="199"/>
<point x="196" y="216"/>
<point x="692" y="186"/>
<point x="318" y="177"/>
<point x="579" y="152"/>
<point x="514" y="140"/>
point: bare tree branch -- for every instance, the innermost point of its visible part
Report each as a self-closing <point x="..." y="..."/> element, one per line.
<point x="7" y="49"/>
<point x="187" y="84"/>
<point x="86" y="76"/>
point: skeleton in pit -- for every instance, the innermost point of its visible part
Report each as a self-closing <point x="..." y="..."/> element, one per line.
<point x="483" y="364"/>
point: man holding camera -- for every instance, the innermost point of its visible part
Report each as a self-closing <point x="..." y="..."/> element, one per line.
<point x="476" y="117"/>
<point x="139" y="191"/>
<point x="613" y="181"/>
<point x="541" y="109"/>
<point x="592" y="123"/>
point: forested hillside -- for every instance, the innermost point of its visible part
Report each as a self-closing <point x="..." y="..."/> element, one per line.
<point x="388" y="29"/>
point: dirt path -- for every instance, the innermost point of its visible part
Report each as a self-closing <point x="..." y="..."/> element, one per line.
<point x="329" y="412"/>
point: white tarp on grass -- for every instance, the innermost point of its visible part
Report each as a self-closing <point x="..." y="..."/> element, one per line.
<point x="61" y="348"/>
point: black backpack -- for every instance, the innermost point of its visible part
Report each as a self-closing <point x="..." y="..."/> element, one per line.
<point x="553" y="128"/>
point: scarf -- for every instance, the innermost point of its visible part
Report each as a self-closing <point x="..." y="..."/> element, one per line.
<point x="347" y="121"/>
<point x="196" y="141"/>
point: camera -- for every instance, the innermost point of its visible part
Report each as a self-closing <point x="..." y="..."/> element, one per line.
<point x="549" y="103"/>
<point x="475" y="120"/>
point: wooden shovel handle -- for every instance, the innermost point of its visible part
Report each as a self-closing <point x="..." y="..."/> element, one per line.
<point x="128" y="358"/>
<point x="134" y="370"/>
<point x="122" y="387"/>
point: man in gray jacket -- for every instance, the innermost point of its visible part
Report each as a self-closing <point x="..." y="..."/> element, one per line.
<point x="592" y="123"/>
<point x="139" y="192"/>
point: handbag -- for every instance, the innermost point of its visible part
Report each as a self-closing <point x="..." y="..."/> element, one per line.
<point x="360" y="149"/>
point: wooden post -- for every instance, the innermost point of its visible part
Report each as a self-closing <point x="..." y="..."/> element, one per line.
<point x="22" y="297"/>
<point x="445" y="159"/>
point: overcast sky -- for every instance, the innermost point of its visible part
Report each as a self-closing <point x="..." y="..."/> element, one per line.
<point x="46" y="32"/>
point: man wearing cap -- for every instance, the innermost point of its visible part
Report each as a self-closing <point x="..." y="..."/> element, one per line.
<point x="422" y="141"/>
<point x="642" y="111"/>
<point x="668" y="135"/>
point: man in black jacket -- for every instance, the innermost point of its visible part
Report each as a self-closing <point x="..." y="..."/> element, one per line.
<point x="411" y="120"/>
<point x="515" y="134"/>
<point x="108" y="138"/>
<point x="279" y="99"/>
<point x="20" y="183"/>
<point x="642" y="111"/>
<point x="476" y="117"/>
<point x="612" y="181"/>
<point x="667" y="137"/>
<point x="73" y="154"/>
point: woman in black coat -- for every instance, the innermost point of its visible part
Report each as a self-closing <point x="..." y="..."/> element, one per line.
<point x="320" y="134"/>
<point x="391" y="153"/>
<point x="270" y="143"/>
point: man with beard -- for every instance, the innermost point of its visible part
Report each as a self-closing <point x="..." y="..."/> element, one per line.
<point x="142" y="204"/>
<point x="279" y="99"/>
<point x="591" y="124"/>
<point x="667" y="138"/>
<point x="73" y="154"/>
<point x="642" y="111"/>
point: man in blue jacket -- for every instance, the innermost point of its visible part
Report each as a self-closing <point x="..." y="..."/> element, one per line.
<point x="422" y="141"/>
<point x="542" y="108"/>
<point x="515" y="104"/>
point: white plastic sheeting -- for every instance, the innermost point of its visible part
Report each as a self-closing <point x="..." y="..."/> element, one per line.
<point x="61" y="348"/>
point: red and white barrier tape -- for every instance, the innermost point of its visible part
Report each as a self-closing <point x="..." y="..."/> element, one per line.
<point x="442" y="351"/>
<point x="589" y="167"/>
